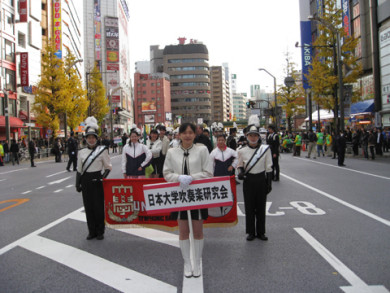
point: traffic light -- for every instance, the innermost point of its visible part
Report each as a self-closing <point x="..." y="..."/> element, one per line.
<point x="248" y="105"/>
<point x="252" y="104"/>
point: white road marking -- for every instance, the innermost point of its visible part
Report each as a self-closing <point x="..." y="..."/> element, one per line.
<point x="344" y="168"/>
<point x="2" y="180"/>
<point x="286" y="208"/>
<point x="239" y="211"/>
<point x="55" y="174"/>
<point x="357" y="284"/>
<point x="13" y="171"/>
<point x="193" y="285"/>
<point x="59" y="181"/>
<point x="58" y="190"/>
<point x="28" y="191"/>
<point x="40" y="187"/>
<point x="68" y="186"/>
<point x="360" y="210"/>
<point x="102" y="270"/>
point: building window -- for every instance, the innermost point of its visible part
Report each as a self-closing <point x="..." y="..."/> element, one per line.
<point x="159" y="114"/>
<point x="158" y="84"/>
<point x="9" y="22"/>
<point x="144" y="99"/>
<point x="144" y="92"/>
<point x="144" y="84"/>
<point x="152" y="92"/>
<point x="158" y="91"/>
<point x="152" y="84"/>
<point x="9" y="51"/>
<point x="21" y="40"/>
<point x="9" y="79"/>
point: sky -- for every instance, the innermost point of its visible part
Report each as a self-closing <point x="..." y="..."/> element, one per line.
<point x="246" y="34"/>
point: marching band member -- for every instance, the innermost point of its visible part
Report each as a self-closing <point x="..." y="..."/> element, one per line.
<point x="255" y="165"/>
<point x="154" y="145"/>
<point x="176" y="140"/>
<point x="135" y="156"/>
<point x="224" y="158"/>
<point x="184" y="164"/>
<point x="91" y="161"/>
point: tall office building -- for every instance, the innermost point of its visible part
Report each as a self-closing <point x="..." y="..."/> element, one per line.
<point x="239" y="106"/>
<point x="220" y="95"/>
<point x="188" y="68"/>
<point x="106" y="30"/>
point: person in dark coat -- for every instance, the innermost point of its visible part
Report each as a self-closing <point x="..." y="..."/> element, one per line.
<point x="274" y="145"/>
<point x="231" y="140"/>
<point x="14" y="152"/>
<point x="341" y="146"/>
<point x="32" y="151"/>
<point x="72" y="152"/>
<point x="202" y="139"/>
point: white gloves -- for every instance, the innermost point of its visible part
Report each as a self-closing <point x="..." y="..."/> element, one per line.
<point x="185" y="181"/>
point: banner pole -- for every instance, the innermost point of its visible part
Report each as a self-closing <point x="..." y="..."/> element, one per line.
<point x="191" y="236"/>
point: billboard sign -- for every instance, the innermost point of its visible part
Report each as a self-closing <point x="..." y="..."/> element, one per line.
<point x="24" y="77"/>
<point x="98" y="31"/>
<point x="149" y="106"/>
<point x="149" y="118"/>
<point x="57" y="27"/>
<point x="23" y="12"/>
<point x="346" y="17"/>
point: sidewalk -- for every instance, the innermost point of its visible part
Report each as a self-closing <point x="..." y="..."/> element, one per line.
<point x="385" y="156"/>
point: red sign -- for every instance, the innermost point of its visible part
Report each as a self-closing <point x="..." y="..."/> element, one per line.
<point x="113" y="66"/>
<point x="115" y="99"/>
<point x="23" y="10"/>
<point x="125" y="206"/>
<point x="24" y="80"/>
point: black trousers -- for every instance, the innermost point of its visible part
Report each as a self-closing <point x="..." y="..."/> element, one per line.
<point x="372" y="152"/>
<point x="341" y="156"/>
<point x="355" y="149"/>
<point x="93" y="199"/>
<point x="275" y="167"/>
<point x="72" y="159"/>
<point x="32" y="159"/>
<point x="255" y="199"/>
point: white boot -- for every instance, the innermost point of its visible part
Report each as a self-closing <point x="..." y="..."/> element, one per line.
<point x="185" y="252"/>
<point x="198" y="244"/>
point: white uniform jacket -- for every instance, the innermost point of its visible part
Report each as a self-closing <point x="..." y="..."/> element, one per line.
<point x="102" y="162"/>
<point x="198" y="163"/>
<point x="165" y="144"/>
<point x="134" y="151"/>
<point x="264" y="164"/>
<point x="155" y="147"/>
<point x="218" y="154"/>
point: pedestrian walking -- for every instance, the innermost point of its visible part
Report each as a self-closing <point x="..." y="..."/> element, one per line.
<point x="372" y="141"/>
<point x="355" y="142"/>
<point x="274" y="144"/>
<point x="155" y="145"/>
<point x="320" y="144"/>
<point x="328" y="143"/>
<point x="92" y="160"/>
<point x="364" y="139"/>
<point x="124" y="141"/>
<point x="184" y="164"/>
<point x="312" y="143"/>
<point x="164" y="147"/>
<point x="341" y="146"/>
<point x="379" y="141"/>
<point x="6" y="151"/>
<point x="32" y="150"/>
<point x="255" y="165"/>
<point x="72" y="152"/>
<point x="14" y="149"/>
<point x="298" y="144"/>
<point x="57" y="150"/>
<point x="135" y="156"/>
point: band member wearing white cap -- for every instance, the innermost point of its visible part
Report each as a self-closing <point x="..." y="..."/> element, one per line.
<point x="154" y="144"/>
<point x="184" y="164"/>
<point x="255" y="165"/>
<point x="91" y="161"/>
<point x="135" y="156"/>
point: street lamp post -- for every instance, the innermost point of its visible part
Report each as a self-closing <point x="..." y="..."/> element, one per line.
<point x="111" y="92"/>
<point x="66" y="114"/>
<point x="276" y="103"/>
<point x="336" y="33"/>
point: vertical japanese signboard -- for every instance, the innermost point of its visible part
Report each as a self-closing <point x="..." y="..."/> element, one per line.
<point x="112" y="54"/>
<point x="23" y="14"/>
<point x="346" y="18"/>
<point x="24" y="78"/>
<point x="57" y="27"/>
<point x="305" y="41"/>
<point x="98" y="33"/>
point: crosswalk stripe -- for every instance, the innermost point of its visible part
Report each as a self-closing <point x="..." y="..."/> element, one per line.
<point x="102" y="270"/>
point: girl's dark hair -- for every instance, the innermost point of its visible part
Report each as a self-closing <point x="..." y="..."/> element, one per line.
<point x="221" y="135"/>
<point x="131" y="132"/>
<point x="154" y="131"/>
<point x="184" y="127"/>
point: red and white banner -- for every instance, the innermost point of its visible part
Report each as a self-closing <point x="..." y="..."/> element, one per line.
<point x="201" y="194"/>
<point x="23" y="12"/>
<point x="24" y="78"/>
<point x="125" y="206"/>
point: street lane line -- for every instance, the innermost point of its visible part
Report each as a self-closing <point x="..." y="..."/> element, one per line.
<point x="28" y="191"/>
<point x="344" y="168"/>
<point x="13" y="171"/>
<point x="357" y="284"/>
<point x="2" y="180"/>
<point x="58" y="190"/>
<point x="59" y="181"/>
<point x="40" y="187"/>
<point x="360" y="210"/>
<point x="147" y="233"/>
<point x="95" y="267"/>
<point x="69" y="186"/>
<point x="37" y="232"/>
<point x="55" y="174"/>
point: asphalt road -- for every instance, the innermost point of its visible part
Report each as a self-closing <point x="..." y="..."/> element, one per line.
<point x="328" y="229"/>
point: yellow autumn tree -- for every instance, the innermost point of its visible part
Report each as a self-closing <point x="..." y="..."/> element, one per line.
<point x="76" y="103"/>
<point x="323" y="76"/>
<point x="292" y="99"/>
<point x="97" y="96"/>
<point x="52" y="91"/>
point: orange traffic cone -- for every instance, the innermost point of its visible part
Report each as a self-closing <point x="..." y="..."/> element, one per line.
<point x="303" y="147"/>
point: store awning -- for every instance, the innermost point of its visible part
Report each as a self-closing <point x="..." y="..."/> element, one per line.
<point x="23" y="115"/>
<point x="363" y="107"/>
<point x="14" y="122"/>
